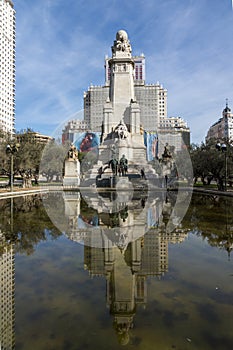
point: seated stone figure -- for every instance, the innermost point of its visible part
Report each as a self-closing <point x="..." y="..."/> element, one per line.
<point x="121" y="130"/>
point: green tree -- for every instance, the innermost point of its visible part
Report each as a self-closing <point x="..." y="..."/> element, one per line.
<point x="210" y="163"/>
<point x="27" y="159"/>
<point x="184" y="165"/>
<point x="4" y="158"/>
<point x="87" y="160"/>
<point x="52" y="161"/>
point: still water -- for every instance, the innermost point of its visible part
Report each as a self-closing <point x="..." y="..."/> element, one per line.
<point x="92" y="272"/>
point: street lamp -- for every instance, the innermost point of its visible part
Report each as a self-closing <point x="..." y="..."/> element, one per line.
<point x="223" y="147"/>
<point x="12" y="149"/>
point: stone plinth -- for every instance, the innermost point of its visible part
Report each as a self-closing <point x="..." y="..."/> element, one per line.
<point x="72" y="173"/>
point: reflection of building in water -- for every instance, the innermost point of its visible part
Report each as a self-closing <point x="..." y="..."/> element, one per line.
<point x="108" y="219"/>
<point x="126" y="273"/>
<point x="154" y="254"/>
<point x="177" y="236"/>
<point x="124" y="241"/>
<point x="7" y="340"/>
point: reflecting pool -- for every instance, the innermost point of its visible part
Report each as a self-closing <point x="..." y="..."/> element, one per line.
<point x="83" y="271"/>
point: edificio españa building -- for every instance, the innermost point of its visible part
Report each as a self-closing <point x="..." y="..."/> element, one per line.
<point x="7" y="66"/>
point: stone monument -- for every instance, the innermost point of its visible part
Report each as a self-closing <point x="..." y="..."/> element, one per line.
<point x="121" y="129"/>
<point x="71" y="168"/>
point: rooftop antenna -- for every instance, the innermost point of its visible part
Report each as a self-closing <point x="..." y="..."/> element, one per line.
<point x="227" y="98"/>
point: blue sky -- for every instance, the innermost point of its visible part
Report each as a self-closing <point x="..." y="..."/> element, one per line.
<point x="61" y="45"/>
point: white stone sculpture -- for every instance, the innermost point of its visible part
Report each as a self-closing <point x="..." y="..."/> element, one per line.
<point x="122" y="43"/>
<point x="121" y="130"/>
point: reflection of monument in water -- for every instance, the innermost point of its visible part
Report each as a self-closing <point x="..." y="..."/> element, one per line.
<point x="112" y="219"/>
<point x="109" y="218"/>
<point x="112" y="250"/>
<point x="7" y="313"/>
<point x="126" y="274"/>
<point x="121" y="129"/>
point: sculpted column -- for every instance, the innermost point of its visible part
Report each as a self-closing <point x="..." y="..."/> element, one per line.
<point x="122" y="78"/>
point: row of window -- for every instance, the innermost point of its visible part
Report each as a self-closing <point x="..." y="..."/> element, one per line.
<point x="6" y="75"/>
<point x="10" y="106"/>
<point x="8" y="102"/>
<point x="7" y="52"/>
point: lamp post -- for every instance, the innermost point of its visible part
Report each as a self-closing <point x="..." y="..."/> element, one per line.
<point x="223" y="148"/>
<point x="12" y="149"/>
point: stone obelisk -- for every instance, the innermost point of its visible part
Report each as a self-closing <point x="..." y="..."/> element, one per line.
<point x="121" y="120"/>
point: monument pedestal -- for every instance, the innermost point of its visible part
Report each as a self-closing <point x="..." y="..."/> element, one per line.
<point x="72" y="173"/>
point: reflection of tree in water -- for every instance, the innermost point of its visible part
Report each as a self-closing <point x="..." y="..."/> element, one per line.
<point x="88" y="215"/>
<point x="114" y="218"/>
<point x="211" y="217"/>
<point x="167" y="210"/>
<point x="25" y="222"/>
<point x="124" y="213"/>
<point x="87" y="160"/>
<point x="208" y="216"/>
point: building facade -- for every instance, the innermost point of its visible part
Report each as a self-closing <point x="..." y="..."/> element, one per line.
<point x="94" y="100"/>
<point x="172" y="122"/>
<point x="33" y="137"/>
<point x="177" y="138"/>
<point x="7" y="66"/>
<point x="73" y="128"/>
<point x="152" y="98"/>
<point x="175" y="132"/>
<point x="223" y="128"/>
